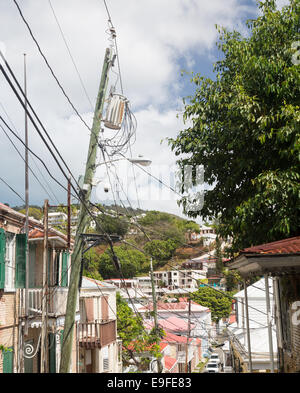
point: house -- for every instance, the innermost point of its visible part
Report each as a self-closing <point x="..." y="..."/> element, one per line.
<point x="24" y="345"/>
<point x="182" y="349"/>
<point x="281" y="261"/>
<point x="57" y="218"/>
<point x="208" y="235"/>
<point x="200" y="318"/>
<point x="259" y="339"/>
<point x="207" y="269"/>
<point x="173" y="279"/>
<point x="99" y="348"/>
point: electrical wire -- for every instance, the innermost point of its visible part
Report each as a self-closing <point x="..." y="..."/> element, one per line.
<point x="33" y="160"/>
<point x="49" y="67"/>
<point x="70" y="54"/>
<point x="12" y="189"/>
<point x="19" y="153"/>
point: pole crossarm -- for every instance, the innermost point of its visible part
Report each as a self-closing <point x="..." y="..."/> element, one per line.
<point x="94" y="239"/>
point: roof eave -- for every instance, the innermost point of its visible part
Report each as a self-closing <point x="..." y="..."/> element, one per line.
<point x="256" y="264"/>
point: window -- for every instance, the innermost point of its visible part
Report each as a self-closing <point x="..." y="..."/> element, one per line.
<point x="105" y="354"/>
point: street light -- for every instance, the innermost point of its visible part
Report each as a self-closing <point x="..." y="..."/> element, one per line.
<point x="139" y="161"/>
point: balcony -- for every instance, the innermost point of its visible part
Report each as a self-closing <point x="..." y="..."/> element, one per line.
<point x="57" y="301"/>
<point x="96" y="334"/>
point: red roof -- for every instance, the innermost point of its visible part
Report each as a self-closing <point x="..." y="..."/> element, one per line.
<point x="163" y="345"/>
<point x="232" y="318"/>
<point x="169" y="362"/>
<point x="285" y="246"/>
<point x="173" y="338"/>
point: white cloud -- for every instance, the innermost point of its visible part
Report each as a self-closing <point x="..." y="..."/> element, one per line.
<point x="154" y="39"/>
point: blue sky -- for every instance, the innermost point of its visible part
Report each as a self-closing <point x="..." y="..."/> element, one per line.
<point x="156" y="40"/>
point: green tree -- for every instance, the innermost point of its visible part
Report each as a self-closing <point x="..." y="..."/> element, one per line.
<point x="218" y="303"/>
<point x="112" y="225"/>
<point x="160" y="250"/>
<point x="91" y="265"/>
<point x="244" y="129"/>
<point x="138" y="345"/>
<point x="34" y="212"/>
<point x="133" y="263"/>
<point x="219" y="256"/>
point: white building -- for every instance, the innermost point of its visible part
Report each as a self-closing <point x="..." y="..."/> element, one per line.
<point x="173" y="279"/>
<point x="57" y="218"/>
<point x="99" y="348"/>
<point x="259" y="339"/>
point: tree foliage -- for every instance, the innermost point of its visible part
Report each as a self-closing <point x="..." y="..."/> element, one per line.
<point x="160" y="250"/>
<point x="112" y="225"/>
<point x="243" y="127"/>
<point x="218" y="303"/>
<point x="133" y="263"/>
<point x="138" y="345"/>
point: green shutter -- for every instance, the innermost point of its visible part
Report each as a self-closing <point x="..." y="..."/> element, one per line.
<point x="2" y="258"/>
<point x="8" y="358"/>
<point x="64" y="269"/>
<point x="21" y="244"/>
<point x="52" y="353"/>
<point x="32" y="261"/>
<point x="49" y="265"/>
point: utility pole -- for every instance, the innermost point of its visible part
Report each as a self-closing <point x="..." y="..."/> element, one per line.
<point x="248" y="328"/>
<point x="26" y="204"/>
<point x="44" y="333"/>
<point x="160" y="368"/>
<point x="83" y="220"/>
<point x="69" y="214"/>
<point x="188" y="339"/>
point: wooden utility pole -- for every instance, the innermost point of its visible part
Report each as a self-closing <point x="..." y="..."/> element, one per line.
<point x="188" y="339"/>
<point x="160" y="368"/>
<point x="248" y="328"/>
<point x="26" y="204"/>
<point x="44" y="333"/>
<point x="66" y="350"/>
<point x="69" y="214"/>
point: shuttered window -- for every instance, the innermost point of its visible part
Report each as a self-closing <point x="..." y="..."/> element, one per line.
<point x="2" y="258"/>
<point x="8" y="358"/>
<point x="52" y="353"/>
<point x="21" y="244"/>
<point x="89" y="309"/>
<point x="104" y="307"/>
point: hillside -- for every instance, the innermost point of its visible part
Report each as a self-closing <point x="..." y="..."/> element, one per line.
<point x="147" y="234"/>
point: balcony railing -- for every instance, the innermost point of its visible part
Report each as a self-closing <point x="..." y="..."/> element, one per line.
<point x="57" y="301"/>
<point x="96" y="334"/>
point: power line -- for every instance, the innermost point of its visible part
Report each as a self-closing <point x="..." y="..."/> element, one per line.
<point x="40" y="172"/>
<point x="24" y="161"/>
<point x="13" y="190"/>
<point x="70" y="54"/>
<point x="49" y="67"/>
